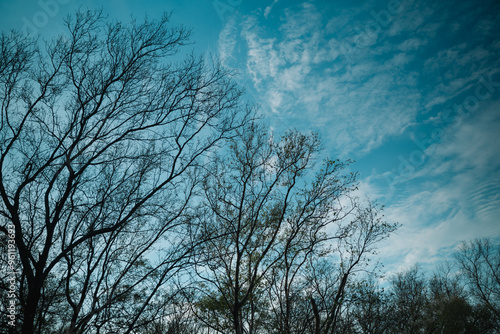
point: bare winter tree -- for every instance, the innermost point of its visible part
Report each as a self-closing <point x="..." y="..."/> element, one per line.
<point x="479" y="262"/>
<point x="332" y="277"/>
<point x="307" y="238"/>
<point x="409" y="301"/>
<point x="267" y="214"/>
<point x="100" y="138"/>
<point x="251" y="192"/>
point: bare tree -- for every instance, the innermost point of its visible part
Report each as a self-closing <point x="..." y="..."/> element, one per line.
<point x="409" y="301"/>
<point x="304" y="240"/>
<point x="101" y="136"/>
<point x="479" y="262"/>
<point x="266" y="215"/>
<point x="450" y="309"/>
<point x="372" y="308"/>
<point x="250" y="192"/>
<point x="332" y="277"/>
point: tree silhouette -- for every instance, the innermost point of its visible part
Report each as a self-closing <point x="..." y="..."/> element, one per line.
<point x="101" y="136"/>
<point x="265" y="218"/>
<point x="250" y="194"/>
<point x="479" y="262"/>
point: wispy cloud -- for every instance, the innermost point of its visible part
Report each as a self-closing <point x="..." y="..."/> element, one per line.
<point x="365" y="76"/>
<point x="269" y="8"/>
<point x="436" y="220"/>
<point x="227" y="40"/>
<point x="363" y="82"/>
<point x="303" y="73"/>
<point x="455" y="196"/>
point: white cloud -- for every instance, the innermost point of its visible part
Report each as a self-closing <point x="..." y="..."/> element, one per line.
<point x="438" y="219"/>
<point x="470" y="143"/>
<point x="268" y="9"/>
<point x="303" y="73"/>
<point x="309" y="73"/>
<point x="263" y="61"/>
<point x="227" y="40"/>
<point x="310" y="68"/>
<point x="460" y="198"/>
<point x="412" y="44"/>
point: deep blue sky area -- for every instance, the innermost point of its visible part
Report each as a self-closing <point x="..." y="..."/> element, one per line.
<point x="410" y="89"/>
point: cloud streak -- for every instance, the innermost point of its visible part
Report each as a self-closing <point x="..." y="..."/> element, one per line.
<point x="302" y="74"/>
<point x="455" y="196"/>
<point x="371" y="78"/>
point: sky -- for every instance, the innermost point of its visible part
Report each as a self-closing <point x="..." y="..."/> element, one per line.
<point x="409" y="89"/>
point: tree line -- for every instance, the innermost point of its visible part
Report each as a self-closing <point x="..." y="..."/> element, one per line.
<point x="140" y="193"/>
<point x="460" y="296"/>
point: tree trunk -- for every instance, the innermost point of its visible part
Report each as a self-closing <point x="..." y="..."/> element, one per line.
<point x="317" y="319"/>
<point x="237" y="322"/>
<point x="30" y="309"/>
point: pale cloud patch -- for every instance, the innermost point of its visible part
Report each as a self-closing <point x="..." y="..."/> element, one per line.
<point x="275" y="100"/>
<point x="460" y="198"/>
<point x="263" y="60"/>
<point x="268" y="9"/>
<point x="298" y="24"/>
<point x="227" y="40"/>
<point x="412" y="16"/>
<point x="438" y="219"/>
<point x="309" y="67"/>
<point x="412" y="44"/>
<point x="460" y="67"/>
<point x="470" y="143"/>
<point x="357" y="103"/>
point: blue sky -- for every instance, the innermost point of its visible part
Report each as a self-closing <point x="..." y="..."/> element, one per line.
<point x="409" y="89"/>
